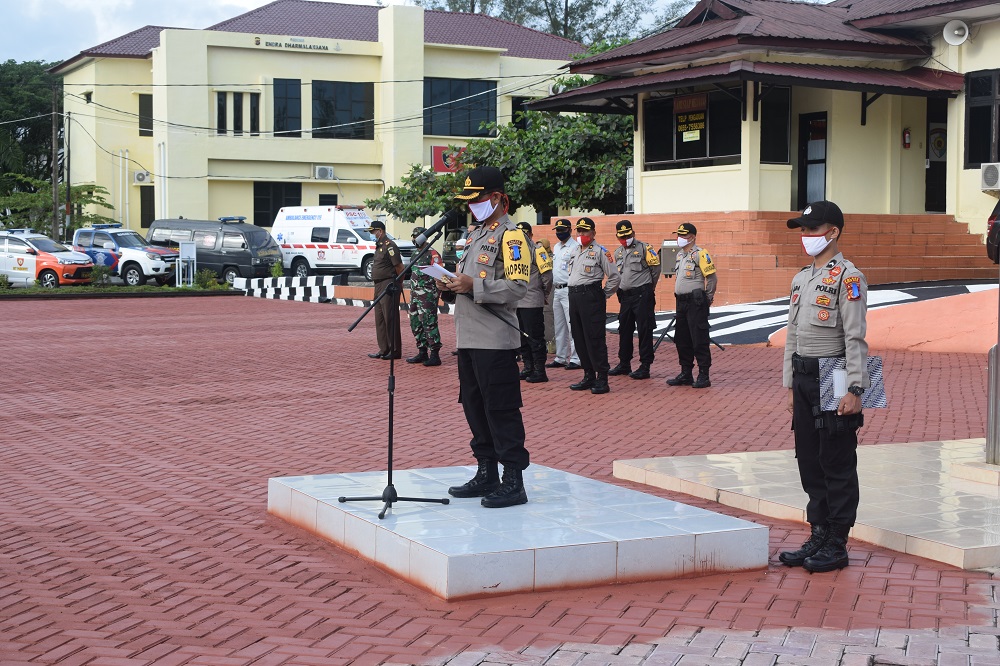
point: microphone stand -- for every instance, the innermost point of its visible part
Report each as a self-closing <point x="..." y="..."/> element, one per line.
<point x="389" y="495"/>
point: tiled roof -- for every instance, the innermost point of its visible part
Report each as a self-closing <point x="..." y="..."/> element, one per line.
<point x="480" y="30"/>
<point x="302" y="18"/>
<point x="136" y="43"/>
<point x="859" y="9"/>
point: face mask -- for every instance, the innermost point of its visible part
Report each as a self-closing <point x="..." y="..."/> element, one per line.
<point x="563" y="236"/>
<point x="624" y="241"/>
<point x="459" y="253"/>
<point x="481" y="211"/>
<point x="584" y="239"/>
<point x="814" y="245"/>
<point x="682" y="242"/>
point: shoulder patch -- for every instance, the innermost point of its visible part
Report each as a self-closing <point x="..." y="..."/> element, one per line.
<point x="705" y="263"/>
<point x="652" y="258"/>
<point x="543" y="259"/>
<point x="516" y="260"/>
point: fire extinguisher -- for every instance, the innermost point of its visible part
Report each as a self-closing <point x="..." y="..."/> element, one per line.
<point x="906" y="138"/>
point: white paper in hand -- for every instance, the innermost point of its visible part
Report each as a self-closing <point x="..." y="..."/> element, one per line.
<point x="436" y="271"/>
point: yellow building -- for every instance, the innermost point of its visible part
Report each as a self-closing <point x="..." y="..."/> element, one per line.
<point x="243" y="118"/>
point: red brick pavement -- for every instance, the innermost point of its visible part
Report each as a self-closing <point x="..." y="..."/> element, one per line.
<point x="137" y="438"/>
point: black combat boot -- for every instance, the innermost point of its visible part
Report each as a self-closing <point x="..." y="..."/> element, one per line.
<point x="529" y="367"/>
<point x="833" y="554"/>
<point x="620" y="369"/>
<point x="510" y="493"/>
<point x="642" y="372"/>
<point x="600" y="384"/>
<point x="433" y="359"/>
<point x="420" y="357"/>
<point x="795" y="558"/>
<point x="702" y="381"/>
<point x="585" y="383"/>
<point x="683" y="379"/>
<point x="538" y="376"/>
<point x="486" y="480"/>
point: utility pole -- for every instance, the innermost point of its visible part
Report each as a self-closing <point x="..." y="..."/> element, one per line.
<point x="69" y="182"/>
<point x="55" y="165"/>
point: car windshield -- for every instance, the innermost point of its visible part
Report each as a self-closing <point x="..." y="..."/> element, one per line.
<point x="363" y="234"/>
<point x="43" y="244"/>
<point x="131" y="240"/>
<point x="259" y="239"/>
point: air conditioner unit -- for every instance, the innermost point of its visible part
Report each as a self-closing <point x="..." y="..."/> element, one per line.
<point x="989" y="176"/>
<point x="323" y="173"/>
<point x="142" y="177"/>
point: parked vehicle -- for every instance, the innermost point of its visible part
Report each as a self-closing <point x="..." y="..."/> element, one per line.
<point x="228" y="246"/>
<point x="448" y="256"/>
<point x="127" y="253"/>
<point x="993" y="235"/>
<point x="26" y="256"/>
<point x="328" y="240"/>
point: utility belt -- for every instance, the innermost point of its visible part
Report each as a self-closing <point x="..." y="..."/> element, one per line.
<point x="804" y="365"/>
<point x="561" y="286"/>
<point x="697" y="297"/>
<point x="583" y="288"/>
<point x="636" y="290"/>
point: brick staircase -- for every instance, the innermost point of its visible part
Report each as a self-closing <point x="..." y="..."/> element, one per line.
<point x="757" y="255"/>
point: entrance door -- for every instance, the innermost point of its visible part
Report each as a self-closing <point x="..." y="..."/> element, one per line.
<point x="812" y="158"/>
<point x="936" y="173"/>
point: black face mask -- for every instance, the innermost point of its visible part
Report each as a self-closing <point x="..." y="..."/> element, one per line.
<point x="562" y="235"/>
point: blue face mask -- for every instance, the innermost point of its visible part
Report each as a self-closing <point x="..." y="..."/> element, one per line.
<point x="459" y="253"/>
<point x="562" y="235"/>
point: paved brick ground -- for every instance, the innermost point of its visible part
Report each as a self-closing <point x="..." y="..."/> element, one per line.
<point x="137" y="436"/>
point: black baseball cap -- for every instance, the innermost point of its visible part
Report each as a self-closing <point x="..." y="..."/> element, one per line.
<point x="525" y="227"/>
<point x="417" y="231"/>
<point x="562" y="224"/>
<point x="624" y="229"/>
<point x="818" y="213"/>
<point x="377" y="225"/>
<point x="585" y="224"/>
<point x="480" y="181"/>
<point x="686" y="229"/>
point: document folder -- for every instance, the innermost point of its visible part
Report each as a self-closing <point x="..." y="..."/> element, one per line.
<point x="833" y="383"/>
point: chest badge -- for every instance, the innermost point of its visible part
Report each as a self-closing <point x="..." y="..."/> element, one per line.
<point x="835" y="271"/>
<point x="829" y="280"/>
<point x="687" y="273"/>
<point x="795" y="299"/>
<point x="586" y="269"/>
<point x="482" y="274"/>
<point x="483" y="258"/>
<point x="491" y="239"/>
<point x="823" y="300"/>
<point x="823" y="315"/>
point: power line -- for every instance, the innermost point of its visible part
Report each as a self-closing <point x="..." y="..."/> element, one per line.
<point x="21" y="120"/>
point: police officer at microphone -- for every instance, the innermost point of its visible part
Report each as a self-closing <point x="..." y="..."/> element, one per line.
<point x="639" y="266"/>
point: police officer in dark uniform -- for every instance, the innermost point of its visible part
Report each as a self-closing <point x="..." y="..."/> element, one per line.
<point x="639" y="265"/>
<point x="490" y="279"/>
<point x="694" y="290"/>
<point x="826" y="319"/>
<point x="385" y="266"/>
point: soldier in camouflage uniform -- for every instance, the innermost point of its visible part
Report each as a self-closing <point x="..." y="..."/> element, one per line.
<point x="424" y="309"/>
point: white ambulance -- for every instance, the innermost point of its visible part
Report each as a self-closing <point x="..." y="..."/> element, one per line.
<point x="328" y="240"/>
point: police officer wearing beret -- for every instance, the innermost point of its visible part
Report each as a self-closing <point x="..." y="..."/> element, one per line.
<point x="530" y="314"/>
<point x="694" y="291"/>
<point x="491" y="278"/>
<point x="639" y="265"/>
<point x="590" y="264"/>
<point x="385" y="266"/>
<point x="826" y="319"/>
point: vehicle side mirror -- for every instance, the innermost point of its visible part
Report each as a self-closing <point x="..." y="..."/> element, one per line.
<point x="243" y="246"/>
<point x="31" y="250"/>
<point x="109" y="246"/>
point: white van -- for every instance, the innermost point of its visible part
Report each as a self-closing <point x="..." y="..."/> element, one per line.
<point x="328" y="240"/>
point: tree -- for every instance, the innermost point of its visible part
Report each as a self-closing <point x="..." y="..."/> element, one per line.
<point x="421" y="193"/>
<point x="27" y="202"/>
<point x="26" y="140"/>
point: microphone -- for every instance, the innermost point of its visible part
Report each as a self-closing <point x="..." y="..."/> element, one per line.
<point x="451" y="216"/>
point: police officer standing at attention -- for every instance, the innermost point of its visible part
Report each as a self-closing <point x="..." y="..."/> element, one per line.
<point x="424" y="309"/>
<point x="530" y="313"/>
<point x="565" y="349"/>
<point x="695" y="291"/>
<point x="826" y="319"/>
<point x="588" y="307"/>
<point x="639" y="266"/>
<point x="385" y="266"/>
<point x="491" y="277"/>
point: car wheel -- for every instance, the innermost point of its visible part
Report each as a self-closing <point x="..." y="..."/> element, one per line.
<point x="230" y="274"/>
<point x="366" y="268"/>
<point x="133" y="276"/>
<point x="48" y="279"/>
<point x="300" y="268"/>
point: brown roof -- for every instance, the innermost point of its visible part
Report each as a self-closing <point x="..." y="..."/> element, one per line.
<point x="480" y="30"/>
<point x="136" y="44"/>
<point x="885" y="13"/>
<point x="302" y="18"/>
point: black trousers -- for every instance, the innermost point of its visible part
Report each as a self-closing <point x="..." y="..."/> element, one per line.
<point x="587" y="321"/>
<point x="637" y="311"/>
<point x="490" y="392"/>
<point x="691" y="332"/>
<point x="387" y="321"/>
<point x="532" y="322"/>
<point x="825" y="449"/>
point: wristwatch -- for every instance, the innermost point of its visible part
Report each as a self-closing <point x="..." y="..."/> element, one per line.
<point x="856" y="390"/>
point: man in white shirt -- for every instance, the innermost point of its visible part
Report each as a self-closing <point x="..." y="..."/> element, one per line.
<point x="566" y="356"/>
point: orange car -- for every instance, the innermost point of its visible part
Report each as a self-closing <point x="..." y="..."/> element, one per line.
<point x="26" y="256"/>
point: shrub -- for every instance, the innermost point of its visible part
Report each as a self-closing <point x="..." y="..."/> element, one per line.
<point x="277" y="270"/>
<point x="5" y="283"/>
<point x="206" y="279"/>
<point x="101" y="275"/>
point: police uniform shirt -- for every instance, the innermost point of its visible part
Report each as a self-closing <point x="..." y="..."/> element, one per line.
<point x="496" y="258"/>
<point x="540" y="280"/>
<point x="695" y="270"/>
<point x="827" y="318"/>
<point x="385" y="260"/>
<point x="590" y="264"/>
<point x="562" y="252"/>
<point x="638" y="264"/>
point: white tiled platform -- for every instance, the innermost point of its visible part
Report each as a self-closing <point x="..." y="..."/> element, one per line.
<point x="573" y="532"/>
<point x="933" y="499"/>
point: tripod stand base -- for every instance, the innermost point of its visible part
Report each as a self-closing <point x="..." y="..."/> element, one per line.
<point x="390" y="497"/>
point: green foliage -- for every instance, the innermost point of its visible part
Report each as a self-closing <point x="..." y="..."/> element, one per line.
<point x="5" y="283"/>
<point x="421" y="193"/>
<point x="277" y="270"/>
<point x="29" y="202"/>
<point x="101" y="275"/>
<point x="206" y="279"/>
<point x="26" y="92"/>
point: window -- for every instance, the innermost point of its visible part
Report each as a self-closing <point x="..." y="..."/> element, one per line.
<point x="345" y="236"/>
<point x="237" y="114"/>
<point x="328" y="200"/>
<point x="254" y="114"/>
<point x="145" y="115"/>
<point x="982" y="118"/>
<point x="178" y="235"/>
<point x="85" y="238"/>
<point x="343" y="110"/>
<point x="700" y="129"/>
<point x="456" y="107"/>
<point x="269" y="198"/>
<point x="147" y="206"/>
<point x="287" y="107"/>
<point x="516" y="109"/>
<point x="160" y="236"/>
<point x="220" y="113"/>
<point x="17" y="246"/>
<point x="206" y="239"/>
<point x="775" y="125"/>
<point x="320" y="235"/>
<point x="233" y="241"/>
<point x="100" y="239"/>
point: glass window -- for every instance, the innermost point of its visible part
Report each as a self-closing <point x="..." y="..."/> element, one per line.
<point x="206" y="239"/>
<point x="160" y="236"/>
<point x="343" y="110"/>
<point x="147" y="206"/>
<point x="237" y="114"/>
<point x="269" y="198"/>
<point x="457" y="107"/>
<point x="232" y="241"/>
<point x="328" y="200"/>
<point x="145" y="115"/>
<point x="982" y="120"/>
<point x="287" y="107"/>
<point x="16" y="246"/>
<point x="85" y="238"/>
<point x="345" y="236"/>
<point x="178" y="235"/>
<point x="320" y="235"/>
<point x="101" y="238"/>
<point x="254" y="114"/>
<point x="692" y="130"/>
<point x="220" y="113"/>
<point x="775" y="125"/>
